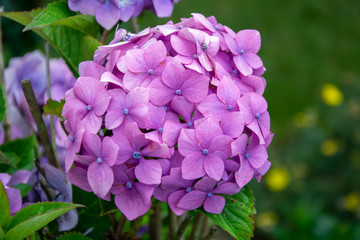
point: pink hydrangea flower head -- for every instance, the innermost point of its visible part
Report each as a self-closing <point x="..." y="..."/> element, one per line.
<point x="173" y="111"/>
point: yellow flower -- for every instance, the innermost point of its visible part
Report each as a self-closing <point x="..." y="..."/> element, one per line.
<point x="351" y="202"/>
<point x="329" y="148"/>
<point x="331" y="95"/>
<point x="277" y="179"/>
<point x="266" y="219"/>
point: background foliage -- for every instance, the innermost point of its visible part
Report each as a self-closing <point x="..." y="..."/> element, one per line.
<point x="312" y="190"/>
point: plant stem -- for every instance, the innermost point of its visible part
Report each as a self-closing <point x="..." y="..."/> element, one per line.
<point x="120" y="227"/>
<point x="37" y="116"/>
<point x="134" y="25"/>
<point x="155" y="223"/>
<point x="183" y="227"/>
<point x="48" y="91"/>
<point x="172" y="223"/>
<point x="104" y="36"/>
<point x="134" y="227"/>
<point x="195" y="226"/>
<point x="6" y="120"/>
<point x="204" y="227"/>
<point x="211" y="234"/>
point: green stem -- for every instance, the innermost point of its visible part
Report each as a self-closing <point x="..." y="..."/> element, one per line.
<point x="104" y="36"/>
<point x="195" y="226"/>
<point x="211" y="234"/>
<point x="172" y="223"/>
<point x="134" y="25"/>
<point x="48" y="91"/>
<point x="183" y="227"/>
<point x="6" y="120"/>
<point x="155" y="223"/>
<point x="37" y="116"/>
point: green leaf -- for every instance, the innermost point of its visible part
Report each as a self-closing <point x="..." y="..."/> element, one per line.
<point x="238" y="216"/>
<point x="58" y="13"/>
<point x="5" y="207"/>
<point x="9" y="158"/>
<point x="2" y="104"/>
<point x="22" y="149"/>
<point x="73" y="46"/>
<point x="73" y="236"/>
<point x="34" y="217"/>
<point x="2" y="233"/>
<point x="54" y="107"/>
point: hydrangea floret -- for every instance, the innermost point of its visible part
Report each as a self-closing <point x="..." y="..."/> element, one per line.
<point x="109" y="12"/>
<point x="175" y="112"/>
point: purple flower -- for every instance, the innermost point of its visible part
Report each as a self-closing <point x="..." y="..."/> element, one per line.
<point x="205" y="193"/>
<point x="132" y="198"/>
<point x="133" y="147"/>
<point x="144" y="65"/>
<point x="245" y="47"/>
<point x="126" y="108"/>
<point x="109" y="12"/>
<point x="176" y="81"/>
<point x="252" y="156"/>
<point x="181" y="111"/>
<point x="13" y="194"/>
<point x="255" y="115"/>
<point x="91" y="100"/>
<point x="100" y="157"/>
<point x="224" y="101"/>
<point x="73" y="142"/>
<point x="173" y="188"/>
<point x="205" y="150"/>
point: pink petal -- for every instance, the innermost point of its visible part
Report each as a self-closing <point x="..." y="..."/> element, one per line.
<point x="183" y="46"/>
<point x="253" y="60"/>
<point x="258" y="156"/>
<point x="173" y="200"/>
<point x="107" y="15"/>
<point x="100" y="177"/>
<point x="232" y="124"/>
<point x="155" y="54"/>
<point x="211" y="106"/>
<point x="196" y="87"/>
<point x="133" y="80"/>
<point x="160" y="94"/>
<point x="228" y="92"/>
<point x="171" y="132"/>
<point x="206" y="131"/>
<point x="173" y="75"/>
<point x="192" y="200"/>
<point x="183" y="107"/>
<point x="230" y="42"/>
<point x="214" y="166"/>
<point x="238" y="147"/>
<point x="188" y="143"/>
<point x="135" y="61"/>
<point x="91" y="122"/>
<point x="214" y="204"/>
<point x="248" y="40"/>
<point x="137" y="96"/>
<point x="242" y="65"/>
<point x="113" y="119"/>
<point x="221" y="146"/>
<point x="78" y="177"/>
<point x="92" y="144"/>
<point x="193" y="166"/>
<point x="163" y="8"/>
<point x="149" y="171"/>
<point x="125" y="149"/>
<point x="156" y="150"/>
<point x="131" y="205"/>
<point x="109" y="151"/>
<point x="244" y="174"/>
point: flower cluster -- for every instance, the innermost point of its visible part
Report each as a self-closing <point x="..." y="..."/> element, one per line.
<point x="32" y="66"/>
<point x="109" y="12"/>
<point x="175" y="112"/>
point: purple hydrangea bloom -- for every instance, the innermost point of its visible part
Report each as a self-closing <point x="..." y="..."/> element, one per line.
<point x="181" y="111"/>
<point x="109" y="12"/>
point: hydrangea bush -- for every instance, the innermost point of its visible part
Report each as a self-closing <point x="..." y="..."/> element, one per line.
<point x="175" y="112"/>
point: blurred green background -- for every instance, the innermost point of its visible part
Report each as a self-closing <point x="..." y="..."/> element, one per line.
<point x="311" y="50"/>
